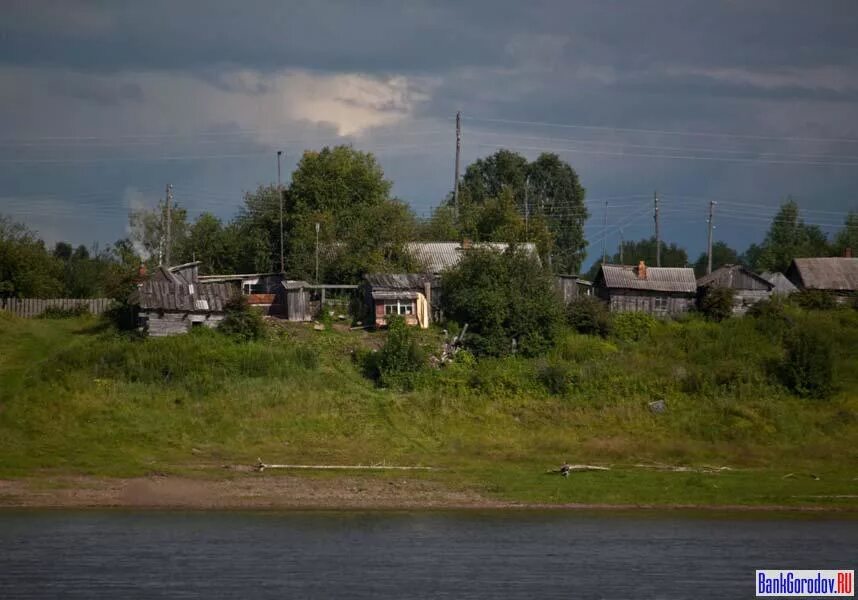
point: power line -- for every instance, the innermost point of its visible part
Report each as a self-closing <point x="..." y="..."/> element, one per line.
<point x="663" y="131"/>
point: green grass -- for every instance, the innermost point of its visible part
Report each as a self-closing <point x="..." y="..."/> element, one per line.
<point x="78" y="399"/>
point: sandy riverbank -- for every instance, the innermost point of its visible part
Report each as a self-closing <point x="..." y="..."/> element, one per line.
<point x="287" y="492"/>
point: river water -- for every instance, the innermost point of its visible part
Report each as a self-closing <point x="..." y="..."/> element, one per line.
<point x="406" y="555"/>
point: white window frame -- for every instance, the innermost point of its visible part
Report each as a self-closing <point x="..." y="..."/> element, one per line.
<point x="398" y="307"/>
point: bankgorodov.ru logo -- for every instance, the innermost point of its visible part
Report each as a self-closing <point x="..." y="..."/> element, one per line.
<point x="805" y="583"/>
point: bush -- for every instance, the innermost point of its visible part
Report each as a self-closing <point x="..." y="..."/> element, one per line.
<point x="716" y="303"/>
<point x="808" y="368"/>
<point x="503" y="297"/>
<point x="556" y="377"/>
<point x="241" y="321"/>
<point x="589" y="315"/>
<point x="632" y="326"/>
<point x="399" y="359"/>
<point x="55" y="312"/>
<point x="815" y="300"/>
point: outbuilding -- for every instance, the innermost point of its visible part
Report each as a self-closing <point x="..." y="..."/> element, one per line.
<point x="835" y="275"/>
<point x="408" y="295"/>
<point x="748" y="287"/>
<point x="659" y="291"/>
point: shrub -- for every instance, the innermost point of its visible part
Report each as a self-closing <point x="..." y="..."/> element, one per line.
<point x="503" y="297"/>
<point x="807" y="368"/>
<point x="55" y="312"/>
<point x="716" y="303"/>
<point x="589" y="315"/>
<point x="814" y="300"/>
<point x="399" y="359"/>
<point x="241" y="321"/>
<point x="632" y="326"/>
<point x="556" y="377"/>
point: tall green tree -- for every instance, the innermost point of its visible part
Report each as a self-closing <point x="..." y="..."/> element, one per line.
<point x="848" y="236"/>
<point x="722" y="254"/>
<point x="788" y="238"/>
<point x="672" y="255"/>
<point x="546" y="190"/>
<point x="27" y="268"/>
<point x="215" y="246"/>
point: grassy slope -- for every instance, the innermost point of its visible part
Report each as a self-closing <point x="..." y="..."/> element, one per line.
<point x="76" y="400"/>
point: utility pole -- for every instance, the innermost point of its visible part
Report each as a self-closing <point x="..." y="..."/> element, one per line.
<point x="526" y="208"/>
<point x="317" y="253"/>
<point x="605" y="235"/>
<point x="161" y="234"/>
<point x="458" y="154"/>
<point x="169" y="225"/>
<point x="622" y="243"/>
<point x="709" y="243"/>
<point x="280" y="195"/>
<point x="657" y="233"/>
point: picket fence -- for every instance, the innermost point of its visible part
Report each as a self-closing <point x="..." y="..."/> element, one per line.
<point x="33" y="307"/>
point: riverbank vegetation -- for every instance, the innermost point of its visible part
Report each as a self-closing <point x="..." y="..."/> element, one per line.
<point x="76" y="397"/>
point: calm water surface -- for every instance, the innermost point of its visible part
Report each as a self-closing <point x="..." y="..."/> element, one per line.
<point x="405" y="555"/>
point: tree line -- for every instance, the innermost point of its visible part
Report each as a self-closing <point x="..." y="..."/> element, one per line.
<point x="340" y="221"/>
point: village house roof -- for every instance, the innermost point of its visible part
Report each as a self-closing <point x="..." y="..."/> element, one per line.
<point x="830" y="273"/>
<point x="400" y="281"/>
<point x="435" y="257"/>
<point x="781" y="284"/>
<point x="195" y="297"/>
<point x="658" y="279"/>
<point x="737" y="277"/>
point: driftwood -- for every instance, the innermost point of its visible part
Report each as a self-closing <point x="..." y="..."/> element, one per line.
<point x="678" y="469"/>
<point x="261" y="466"/>
<point x="578" y="468"/>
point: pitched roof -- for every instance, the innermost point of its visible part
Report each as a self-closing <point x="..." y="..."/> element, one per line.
<point x="396" y="281"/>
<point x="830" y="273"/>
<point x="163" y="295"/>
<point x="780" y="281"/>
<point x="736" y="277"/>
<point x="659" y="279"/>
<point x="436" y="257"/>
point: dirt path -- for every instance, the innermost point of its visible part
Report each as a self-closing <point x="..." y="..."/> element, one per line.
<point x="259" y="491"/>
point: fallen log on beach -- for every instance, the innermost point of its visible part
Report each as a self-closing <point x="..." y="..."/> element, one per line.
<point x="261" y="466"/>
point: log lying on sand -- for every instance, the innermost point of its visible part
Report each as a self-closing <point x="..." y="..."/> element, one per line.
<point x="261" y="466"/>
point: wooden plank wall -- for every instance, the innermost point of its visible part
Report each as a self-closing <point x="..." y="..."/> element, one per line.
<point x="33" y="307"/>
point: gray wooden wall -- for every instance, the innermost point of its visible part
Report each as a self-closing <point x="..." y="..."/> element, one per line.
<point x="654" y="303"/>
<point x="176" y="323"/>
<point x="33" y="307"/>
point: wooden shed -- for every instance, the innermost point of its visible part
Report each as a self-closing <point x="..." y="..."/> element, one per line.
<point x="173" y="301"/>
<point x="298" y="306"/>
<point x="836" y="275"/>
<point x="406" y="294"/>
<point x="570" y="287"/>
<point x="659" y="291"/>
<point x="748" y="287"/>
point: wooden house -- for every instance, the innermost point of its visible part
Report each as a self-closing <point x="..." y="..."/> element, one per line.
<point x="264" y="291"/>
<point x="405" y="294"/>
<point x="748" y="287"/>
<point x="835" y="275"/>
<point x="660" y="291"/>
<point x="173" y="301"/>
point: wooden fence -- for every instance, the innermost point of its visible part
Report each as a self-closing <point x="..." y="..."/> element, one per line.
<point x="33" y="307"/>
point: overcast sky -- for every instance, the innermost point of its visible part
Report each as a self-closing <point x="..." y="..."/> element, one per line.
<point x="743" y="102"/>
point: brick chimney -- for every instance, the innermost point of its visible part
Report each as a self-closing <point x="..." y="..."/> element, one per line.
<point x="641" y="270"/>
<point x="466" y="244"/>
<point x="847" y="252"/>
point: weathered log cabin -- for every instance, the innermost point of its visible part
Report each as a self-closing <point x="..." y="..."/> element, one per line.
<point x="173" y="301"/>
<point x="748" y="287"/>
<point x="835" y="275"/>
<point x="659" y="291"/>
<point x="408" y="295"/>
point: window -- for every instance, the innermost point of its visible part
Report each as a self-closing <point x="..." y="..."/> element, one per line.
<point x="398" y="307"/>
<point x="660" y="304"/>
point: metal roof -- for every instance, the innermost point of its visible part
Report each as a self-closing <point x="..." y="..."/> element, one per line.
<point x="396" y="281"/>
<point x="435" y="257"/>
<point x="832" y="273"/>
<point x="660" y="279"/>
<point x="736" y="277"/>
<point x="198" y="297"/>
<point x="394" y="294"/>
